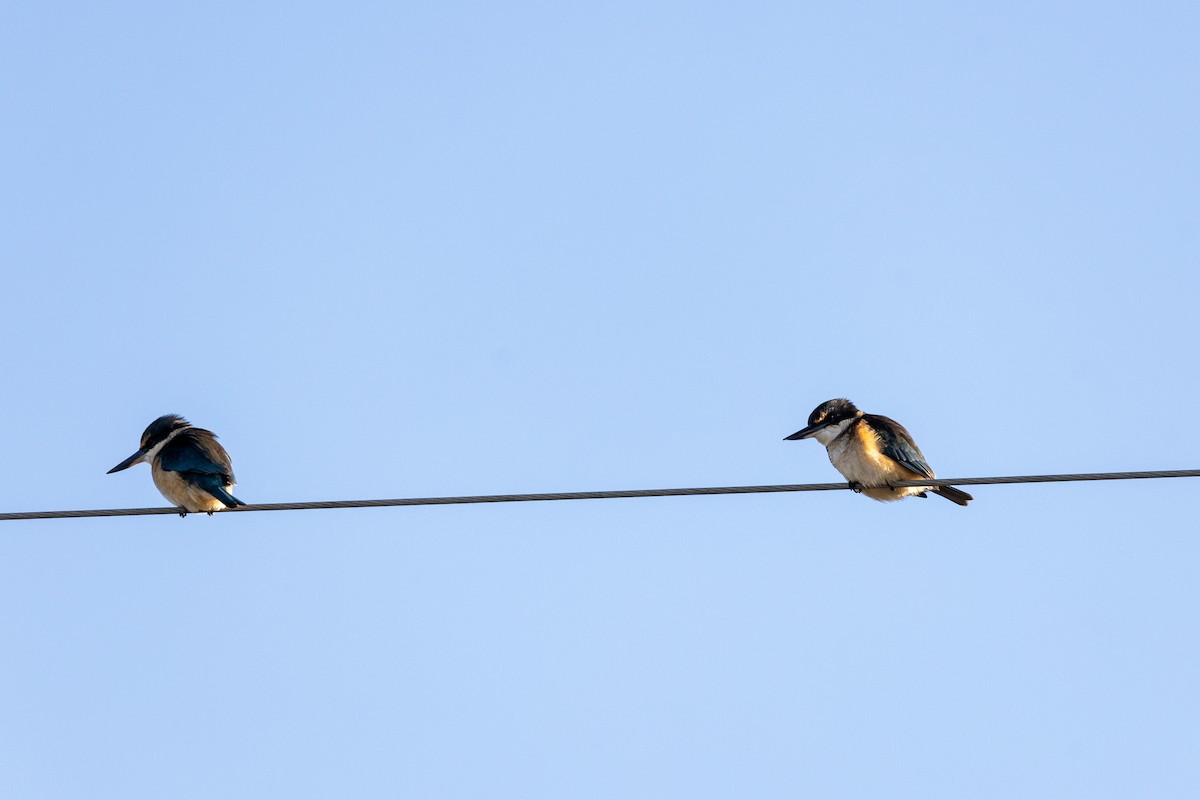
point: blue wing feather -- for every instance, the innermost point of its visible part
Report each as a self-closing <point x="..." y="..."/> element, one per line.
<point x="196" y="454"/>
<point x="898" y="445"/>
<point x="193" y="451"/>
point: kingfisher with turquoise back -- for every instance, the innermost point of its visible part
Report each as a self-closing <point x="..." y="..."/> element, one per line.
<point x="873" y="452"/>
<point x="188" y="464"/>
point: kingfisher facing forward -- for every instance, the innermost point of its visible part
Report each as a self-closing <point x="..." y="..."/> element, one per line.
<point x="873" y="452"/>
<point x="188" y="464"/>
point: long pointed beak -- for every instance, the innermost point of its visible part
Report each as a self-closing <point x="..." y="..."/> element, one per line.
<point x="129" y="462"/>
<point x="804" y="433"/>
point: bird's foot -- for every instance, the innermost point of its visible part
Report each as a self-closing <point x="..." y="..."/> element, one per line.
<point x="856" y="487"/>
<point x="210" y="513"/>
<point x="182" y="513"/>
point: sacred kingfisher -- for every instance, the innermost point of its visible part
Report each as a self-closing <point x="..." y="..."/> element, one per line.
<point x="872" y="452"/>
<point x="188" y="464"/>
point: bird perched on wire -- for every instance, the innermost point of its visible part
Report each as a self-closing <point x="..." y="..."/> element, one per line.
<point x="873" y="452"/>
<point x="188" y="464"/>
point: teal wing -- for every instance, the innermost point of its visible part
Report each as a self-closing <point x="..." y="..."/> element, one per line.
<point x="898" y="445"/>
<point x="198" y="456"/>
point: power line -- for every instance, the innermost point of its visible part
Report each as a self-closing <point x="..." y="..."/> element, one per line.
<point x="519" y="498"/>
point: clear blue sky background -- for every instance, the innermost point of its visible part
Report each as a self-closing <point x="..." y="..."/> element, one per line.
<point x="431" y="248"/>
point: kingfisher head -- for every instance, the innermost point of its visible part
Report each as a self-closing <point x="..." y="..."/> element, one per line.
<point x="153" y="438"/>
<point x="828" y="420"/>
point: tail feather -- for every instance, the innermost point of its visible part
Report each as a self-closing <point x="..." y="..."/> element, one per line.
<point x="232" y="502"/>
<point x="217" y="490"/>
<point x="953" y="495"/>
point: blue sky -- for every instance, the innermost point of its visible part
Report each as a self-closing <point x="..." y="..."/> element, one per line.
<point x="390" y="250"/>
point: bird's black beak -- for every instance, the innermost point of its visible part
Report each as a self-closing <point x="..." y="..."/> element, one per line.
<point x="129" y="462"/>
<point x="804" y="433"/>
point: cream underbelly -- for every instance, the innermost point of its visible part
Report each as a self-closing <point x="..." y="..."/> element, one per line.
<point x="866" y="465"/>
<point x="183" y="494"/>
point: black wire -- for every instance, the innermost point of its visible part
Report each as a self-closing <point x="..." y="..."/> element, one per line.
<point x="520" y="498"/>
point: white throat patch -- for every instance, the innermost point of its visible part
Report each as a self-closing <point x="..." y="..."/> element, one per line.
<point x="831" y="432"/>
<point x="152" y="453"/>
